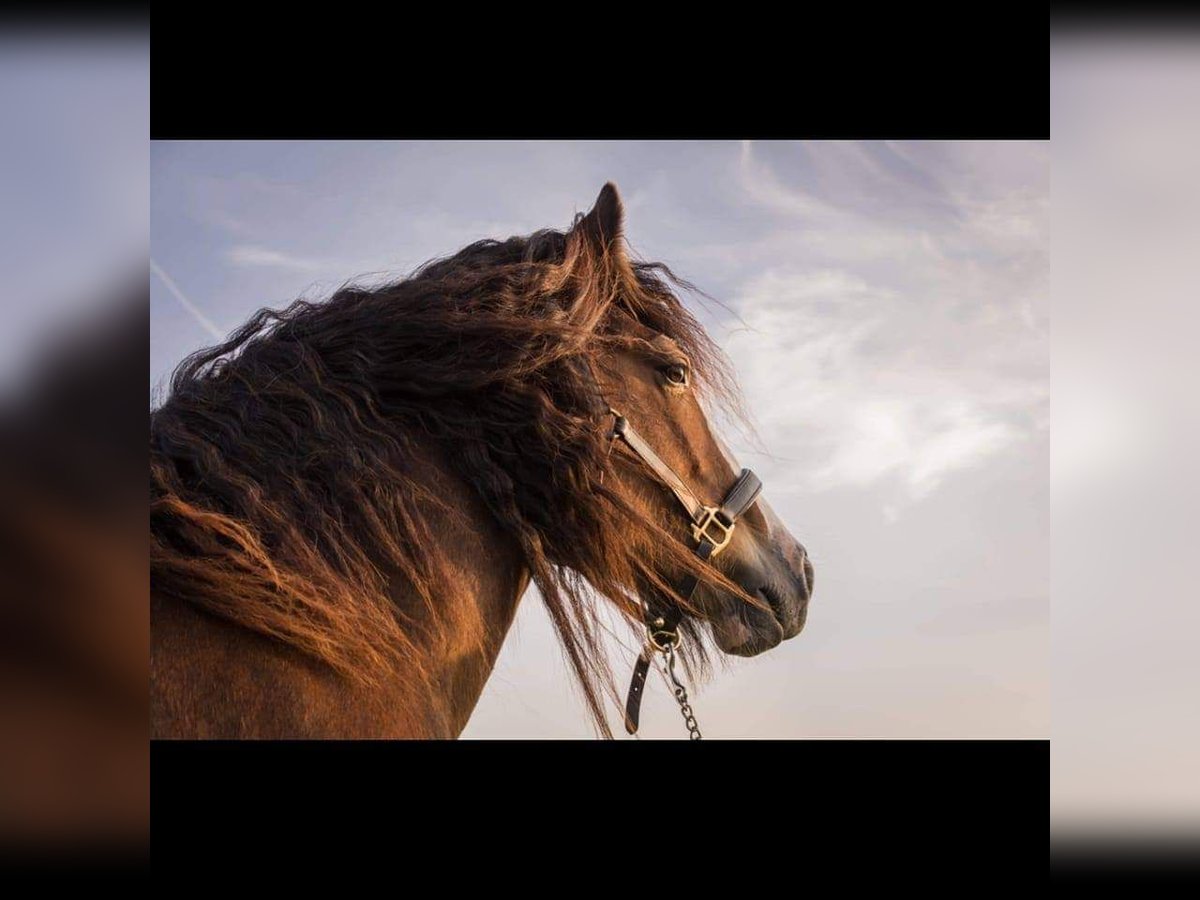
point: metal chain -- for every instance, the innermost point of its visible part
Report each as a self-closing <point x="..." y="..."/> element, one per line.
<point x="681" y="695"/>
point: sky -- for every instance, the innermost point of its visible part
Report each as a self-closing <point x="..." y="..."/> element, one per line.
<point x="888" y="318"/>
<point x="1125" y="490"/>
<point x="74" y="191"/>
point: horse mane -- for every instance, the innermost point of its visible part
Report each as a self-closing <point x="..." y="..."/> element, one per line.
<point x="283" y="461"/>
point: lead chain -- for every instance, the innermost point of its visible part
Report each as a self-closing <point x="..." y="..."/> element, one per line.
<point x="681" y="695"/>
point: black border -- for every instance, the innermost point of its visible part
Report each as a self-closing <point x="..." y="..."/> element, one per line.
<point x="911" y="803"/>
<point x="494" y="74"/>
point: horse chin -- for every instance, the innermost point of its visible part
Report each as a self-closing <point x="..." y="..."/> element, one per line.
<point x="747" y="634"/>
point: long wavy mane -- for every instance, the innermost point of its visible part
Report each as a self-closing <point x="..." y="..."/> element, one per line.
<point x="283" y="462"/>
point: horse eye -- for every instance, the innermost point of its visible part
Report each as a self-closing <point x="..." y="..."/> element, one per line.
<point x="675" y="374"/>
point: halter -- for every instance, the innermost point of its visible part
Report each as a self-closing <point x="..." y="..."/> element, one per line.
<point x="712" y="529"/>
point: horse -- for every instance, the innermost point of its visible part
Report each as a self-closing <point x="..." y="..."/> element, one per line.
<point x="350" y="497"/>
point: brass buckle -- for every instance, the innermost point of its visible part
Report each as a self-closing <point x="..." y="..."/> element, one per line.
<point x="700" y="530"/>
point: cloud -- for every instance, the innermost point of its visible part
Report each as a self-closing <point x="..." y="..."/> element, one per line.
<point x="851" y="380"/>
<point x="251" y="255"/>
<point x="904" y="338"/>
<point x="765" y="188"/>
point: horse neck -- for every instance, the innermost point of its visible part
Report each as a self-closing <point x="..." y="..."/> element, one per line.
<point x="484" y="579"/>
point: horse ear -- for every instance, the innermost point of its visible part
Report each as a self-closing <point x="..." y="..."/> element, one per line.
<point x="604" y="224"/>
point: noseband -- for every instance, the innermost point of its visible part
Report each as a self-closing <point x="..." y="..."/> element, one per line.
<point x="712" y="529"/>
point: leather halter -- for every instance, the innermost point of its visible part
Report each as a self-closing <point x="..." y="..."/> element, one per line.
<point x="712" y="529"/>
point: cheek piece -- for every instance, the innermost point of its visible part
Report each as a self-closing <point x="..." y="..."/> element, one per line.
<point x="712" y="528"/>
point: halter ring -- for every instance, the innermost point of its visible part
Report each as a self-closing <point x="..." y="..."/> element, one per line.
<point x="673" y="639"/>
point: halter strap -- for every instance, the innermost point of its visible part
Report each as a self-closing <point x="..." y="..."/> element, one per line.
<point x="712" y="528"/>
<point x="626" y="432"/>
<point x="705" y="519"/>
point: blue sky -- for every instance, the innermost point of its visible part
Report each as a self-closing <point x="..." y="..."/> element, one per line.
<point x="893" y="345"/>
<point x="74" y="192"/>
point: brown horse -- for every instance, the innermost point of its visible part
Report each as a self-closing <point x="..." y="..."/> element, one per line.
<point x="349" y="498"/>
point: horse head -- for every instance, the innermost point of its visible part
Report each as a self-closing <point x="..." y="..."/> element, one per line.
<point x="650" y="384"/>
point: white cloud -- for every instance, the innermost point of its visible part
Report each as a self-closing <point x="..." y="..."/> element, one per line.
<point x="864" y="383"/>
<point x="765" y="188"/>
<point x="251" y="255"/>
<point x="967" y="441"/>
<point x="904" y="339"/>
